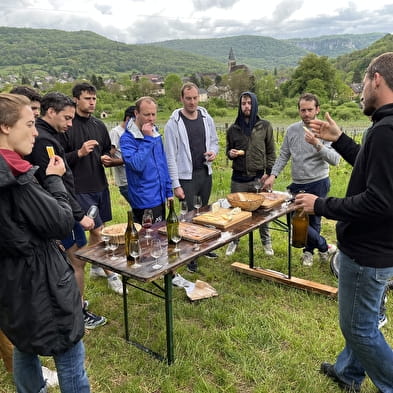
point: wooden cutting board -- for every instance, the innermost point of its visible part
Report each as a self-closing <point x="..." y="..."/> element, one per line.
<point x="272" y="199"/>
<point x="194" y="233"/>
<point x="222" y="218"/>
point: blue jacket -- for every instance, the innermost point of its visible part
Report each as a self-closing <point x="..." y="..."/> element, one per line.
<point x="148" y="179"/>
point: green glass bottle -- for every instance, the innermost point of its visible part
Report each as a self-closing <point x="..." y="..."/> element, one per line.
<point x="172" y="222"/>
<point x="130" y="234"/>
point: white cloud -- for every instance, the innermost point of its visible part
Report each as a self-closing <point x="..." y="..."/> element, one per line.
<point x="138" y="21"/>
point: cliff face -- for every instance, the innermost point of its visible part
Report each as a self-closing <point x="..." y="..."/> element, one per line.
<point x="333" y="46"/>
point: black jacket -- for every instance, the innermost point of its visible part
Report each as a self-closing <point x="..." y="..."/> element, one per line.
<point x="40" y="304"/>
<point x="365" y="215"/>
<point x="48" y="136"/>
<point x="89" y="173"/>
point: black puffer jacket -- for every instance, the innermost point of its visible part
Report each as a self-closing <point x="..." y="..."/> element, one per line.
<point x="40" y="304"/>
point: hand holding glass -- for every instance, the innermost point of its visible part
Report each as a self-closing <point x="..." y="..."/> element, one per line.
<point x="197" y="203"/>
<point x="156" y="252"/>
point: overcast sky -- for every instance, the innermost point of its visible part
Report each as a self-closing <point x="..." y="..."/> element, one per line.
<point x="142" y="21"/>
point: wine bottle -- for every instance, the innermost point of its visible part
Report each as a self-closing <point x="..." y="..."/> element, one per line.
<point x="299" y="228"/>
<point x="172" y="222"/>
<point x="130" y="234"/>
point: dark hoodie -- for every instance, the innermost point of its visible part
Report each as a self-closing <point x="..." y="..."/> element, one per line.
<point x="255" y="137"/>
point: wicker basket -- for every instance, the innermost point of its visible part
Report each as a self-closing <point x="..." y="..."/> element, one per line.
<point x="118" y="230"/>
<point x="246" y="200"/>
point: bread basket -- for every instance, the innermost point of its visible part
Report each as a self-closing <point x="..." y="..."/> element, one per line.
<point x="248" y="201"/>
<point x="118" y="230"/>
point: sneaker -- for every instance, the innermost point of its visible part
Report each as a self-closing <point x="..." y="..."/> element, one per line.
<point x="211" y="255"/>
<point x="50" y="377"/>
<point x="328" y="370"/>
<point x="231" y="248"/>
<point x="115" y="284"/>
<point x="268" y="250"/>
<point x="192" y="267"/>
<point x="326" y="255"/>
<point x="382" y="320"/>
<point x="92" y="321"/>
<point x="96" y="272"/>
<point x="307" y="258"/>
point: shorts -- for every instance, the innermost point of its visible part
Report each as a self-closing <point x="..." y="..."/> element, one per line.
<point x="102" y="200"/>
<point x="77" y="236"/>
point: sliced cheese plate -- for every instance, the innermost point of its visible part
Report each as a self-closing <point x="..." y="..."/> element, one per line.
<point x="222" y="218"/>
<point x="194" y="233"/>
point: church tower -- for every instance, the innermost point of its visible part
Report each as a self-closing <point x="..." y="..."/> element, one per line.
<point x="231" y="60"/>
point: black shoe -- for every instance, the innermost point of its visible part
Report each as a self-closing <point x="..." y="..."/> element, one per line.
<point x="211" y="255"/>
<point x="328" y="370"/>
<point x="192" y="267"/>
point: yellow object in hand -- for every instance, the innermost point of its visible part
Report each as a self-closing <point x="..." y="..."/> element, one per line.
<point x="51" y="151"/>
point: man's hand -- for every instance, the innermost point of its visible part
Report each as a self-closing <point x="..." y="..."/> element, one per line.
<point x="210" y="156"/>
<point x="327" y="130"/>
<point x="179" y="193"/>
<point x="87" y="223"/>
<point x="306" y="202"/>
<point x="55" y="166"/>
<point x="148" y="129"/>
<point x="87" y="147"/>
<point x="106" y="160"/>
<point x="268" y="183"/>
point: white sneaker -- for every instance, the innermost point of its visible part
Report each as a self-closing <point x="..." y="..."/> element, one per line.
<point x="50" y="376"/>
<point x="307" y="258"/>
<point x="325" y="256"/>
<point x="96" y="272"/>
<point x="231" y="248"/>
<point x="115" y="284"/>
<point x="268" y="250"/>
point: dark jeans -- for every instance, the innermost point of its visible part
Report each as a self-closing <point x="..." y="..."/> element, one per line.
<point x="314" y="238"/>
<point x="200" y="184"/>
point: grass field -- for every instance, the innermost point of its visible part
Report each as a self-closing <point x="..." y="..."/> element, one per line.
<point x="255" y="337"/>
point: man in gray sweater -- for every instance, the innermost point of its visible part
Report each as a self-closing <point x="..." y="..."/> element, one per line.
<point x="310" y="159"/>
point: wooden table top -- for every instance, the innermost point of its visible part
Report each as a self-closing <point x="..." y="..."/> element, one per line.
<point x="170" y="259"/>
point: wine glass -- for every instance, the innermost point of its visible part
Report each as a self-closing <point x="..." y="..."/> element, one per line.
<point x="156" y="252"/>
<point x="135" y="251"/>
<point x="197" y="203"/>
<point x="176" y="237"/>
<point x="147" y="222"/>
<point x="113" y="246"/>
<point x="106" y="239"/>
<point x="257" y="185"/>
<point x="183" y="209"/>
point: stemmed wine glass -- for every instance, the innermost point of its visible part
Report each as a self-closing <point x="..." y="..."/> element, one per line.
<point x="257" y="185"/>
<point x="156" y="252"/>
<point x="147" y="221"/>
<point x="135" y="251"/>
<point x="183" y="209"/>
<point x="197" y="203"/>
<point x="106" y="239"/>
<point x="176" y="237"/>
<point x="113" y="246"/>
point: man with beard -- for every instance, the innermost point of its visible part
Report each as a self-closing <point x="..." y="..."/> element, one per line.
<point x="250" y="146"/>
<point x="310" y="158"/>
<point x="364" y="233"/>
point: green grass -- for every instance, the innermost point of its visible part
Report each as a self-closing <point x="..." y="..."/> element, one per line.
<point x="255" y="337"/>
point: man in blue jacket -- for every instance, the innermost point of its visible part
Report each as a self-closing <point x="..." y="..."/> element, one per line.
<point x="149" y="184"/>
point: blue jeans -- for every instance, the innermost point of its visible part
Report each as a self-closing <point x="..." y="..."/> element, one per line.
<point x="70" y="371"/>
<point x="314" y="238"/>
<point x="360" y="292"/>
